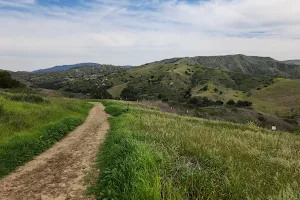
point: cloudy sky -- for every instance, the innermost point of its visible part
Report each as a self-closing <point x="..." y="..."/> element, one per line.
<point x="38" y="34"/>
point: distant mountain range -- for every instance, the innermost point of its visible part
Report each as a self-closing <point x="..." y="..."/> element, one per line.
<point x="67" y="67"/>
<point x="292" y="62"/>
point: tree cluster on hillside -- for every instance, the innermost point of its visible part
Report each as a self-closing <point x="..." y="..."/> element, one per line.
<point x="6" y="81"/>
<point x="130" y="94"/>
<point x="241" y="104"/>
<point x="204" y="101"/>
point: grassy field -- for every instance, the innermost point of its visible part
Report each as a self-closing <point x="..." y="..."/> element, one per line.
<point x="154" y="155"/>
<point x="27" y="129"/>
<point x="280" y="98"/>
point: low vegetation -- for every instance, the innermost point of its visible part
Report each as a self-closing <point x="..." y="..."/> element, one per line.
<point x="30" y="124"/>
<point x="154" y="155"/>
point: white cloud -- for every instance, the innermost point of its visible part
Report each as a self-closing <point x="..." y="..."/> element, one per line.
<point x="16" y="3"/>
<point x="112" y="32"/>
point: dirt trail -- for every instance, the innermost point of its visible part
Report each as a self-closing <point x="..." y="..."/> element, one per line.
<point x="60" y="172"/>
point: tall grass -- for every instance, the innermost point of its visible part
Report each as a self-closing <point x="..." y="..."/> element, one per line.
<point x="27" y="129"/>
<point x="154" y="155"/>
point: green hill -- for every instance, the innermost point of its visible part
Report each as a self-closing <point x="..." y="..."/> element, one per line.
<point x="171" y="81"/>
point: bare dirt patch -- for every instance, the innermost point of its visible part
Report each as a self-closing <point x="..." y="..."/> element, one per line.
<point x="59" y="173"/>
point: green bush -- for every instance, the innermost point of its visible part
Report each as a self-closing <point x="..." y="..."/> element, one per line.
<point x="1" y="110"/>
<point x="230" y="102"/>
<point x="244" y="104"/>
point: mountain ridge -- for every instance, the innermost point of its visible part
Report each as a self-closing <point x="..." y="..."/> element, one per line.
<point x="293" y="62"/>
<point x="253" y="65"/>
<point x="67" y="67"/>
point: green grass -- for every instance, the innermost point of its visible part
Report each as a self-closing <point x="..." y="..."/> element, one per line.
<point x="154" y="155"/>
<point x="117" y="90"/>
<point x="280" y="98"/>
<point x="27" y="129"/>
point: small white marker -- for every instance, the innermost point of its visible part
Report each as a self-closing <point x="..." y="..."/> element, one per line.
<point x="274" y="128"/>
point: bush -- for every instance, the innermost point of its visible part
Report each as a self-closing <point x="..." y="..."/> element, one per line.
<point x="230" y="102"/>
<point x="219" y="102"/>
<point x="202" y="102"/>
<point x="187" y="94"/>
<point x="261" y="118"/>
<point x="244" y="104"/>
<point x="205" y="88"/>
<point x="1" y="109"/>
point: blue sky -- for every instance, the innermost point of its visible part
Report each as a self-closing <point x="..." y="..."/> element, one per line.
<point x="42" y="33"/>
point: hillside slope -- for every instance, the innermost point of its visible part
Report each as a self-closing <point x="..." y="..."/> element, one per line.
<point x="154" y="155"/>
<point x="218" y="78"/>
<point x="280" y="98"/>
<point x="80" y="80"/>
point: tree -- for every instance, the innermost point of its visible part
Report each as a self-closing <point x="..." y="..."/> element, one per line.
<point x="188" y="93"/>
<point x="7" y="82"/>
<point x="100" y="93"/>
<point x="130" y="93"/>
<point x="205" y="88"/>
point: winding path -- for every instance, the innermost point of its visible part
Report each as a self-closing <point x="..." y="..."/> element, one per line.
<point x="63" y="171"/>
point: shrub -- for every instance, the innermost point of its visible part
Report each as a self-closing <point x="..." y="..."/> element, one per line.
<point x="243" y="104"/>
<point x="230" y="102"/>
<point x="205" y="88"/>
<point x="187" y="94"/>
<point x="219" y="102"/>
<point x="199" y="101"/>
<point x="1" y="109"/>
<point x="261" y="118"/>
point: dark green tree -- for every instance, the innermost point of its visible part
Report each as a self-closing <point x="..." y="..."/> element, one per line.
<point x="6" y="81"/>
